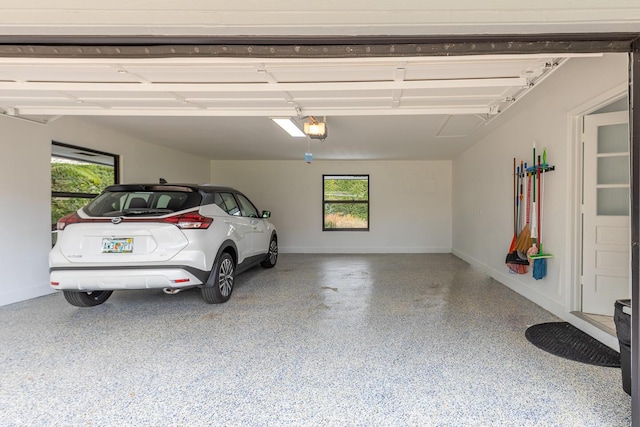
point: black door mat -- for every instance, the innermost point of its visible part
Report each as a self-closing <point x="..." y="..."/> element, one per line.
<point x="565" y="340"/>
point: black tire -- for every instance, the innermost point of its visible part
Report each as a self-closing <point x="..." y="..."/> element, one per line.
<point x="86" y="299"/>
<point x="272" y="256"/>
<point x="221" y="281"/>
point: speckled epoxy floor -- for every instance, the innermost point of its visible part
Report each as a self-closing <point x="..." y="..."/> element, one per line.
<point x="321" y="340"/>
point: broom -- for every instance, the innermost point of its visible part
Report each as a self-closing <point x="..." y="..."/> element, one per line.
<point x="523" y="242"/>
<point x="513" y="261"/>
<point x="515" y="206"/>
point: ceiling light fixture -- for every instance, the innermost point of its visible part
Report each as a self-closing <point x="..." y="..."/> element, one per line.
<point x="289" y="126"/>
<point x="316" y="129"/>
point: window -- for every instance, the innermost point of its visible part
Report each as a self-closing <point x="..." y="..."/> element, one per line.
<point x="77" y="176"/>
<point x="345" y="200"/>
<point x="127" y="201"/>
<point x="229" y="204"/>
<point x="247" y="207"/>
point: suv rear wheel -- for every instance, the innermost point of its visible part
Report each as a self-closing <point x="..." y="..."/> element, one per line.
<point x="86" y="299"/>
<point x="222" y="276"/>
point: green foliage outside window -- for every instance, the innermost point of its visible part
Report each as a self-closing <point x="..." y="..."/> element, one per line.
<point x="87" y="179"/>
<point x="80" y="177"/>
<point x="346" y="202"/>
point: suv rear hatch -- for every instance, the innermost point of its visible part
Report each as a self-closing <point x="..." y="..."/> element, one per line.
<point x="132" y="224"/>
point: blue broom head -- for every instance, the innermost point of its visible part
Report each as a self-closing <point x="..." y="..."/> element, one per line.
<point x="539" y="268"/>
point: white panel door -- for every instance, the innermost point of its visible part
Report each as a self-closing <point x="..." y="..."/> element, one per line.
<point x="605" y="212"/>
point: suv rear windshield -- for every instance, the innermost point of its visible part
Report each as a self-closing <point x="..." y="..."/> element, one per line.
<point x="123" y="203"/>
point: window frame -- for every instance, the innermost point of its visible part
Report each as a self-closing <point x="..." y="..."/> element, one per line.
<point x="366" y="202"/>
<point x="80" y="195"/>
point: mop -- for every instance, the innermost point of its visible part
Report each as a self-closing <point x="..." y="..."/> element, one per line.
<point x="540" y="259"/>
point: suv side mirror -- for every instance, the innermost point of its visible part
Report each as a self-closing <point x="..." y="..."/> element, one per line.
<point x="266" y="214"/>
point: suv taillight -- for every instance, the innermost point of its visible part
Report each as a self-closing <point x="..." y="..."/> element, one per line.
<point x="68" y="219"/>
<point x="190" y="220"/>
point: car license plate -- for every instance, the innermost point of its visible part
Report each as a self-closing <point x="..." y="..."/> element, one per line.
<point x="117" y="245"/>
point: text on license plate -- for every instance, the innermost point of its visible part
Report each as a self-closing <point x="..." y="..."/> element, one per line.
<point x="122" y="245"/>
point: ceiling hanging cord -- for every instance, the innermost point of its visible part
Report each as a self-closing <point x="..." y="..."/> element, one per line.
<point x="308" y="156"/>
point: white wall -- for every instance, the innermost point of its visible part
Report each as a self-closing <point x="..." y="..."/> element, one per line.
<point x="410" y="203"/>
<point x="140" y="161"/>
<point x="482" y="180"/>
<point x="25" y="187"/>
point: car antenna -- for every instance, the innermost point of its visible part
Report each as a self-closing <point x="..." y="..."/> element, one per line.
<point x="162" y="181"/>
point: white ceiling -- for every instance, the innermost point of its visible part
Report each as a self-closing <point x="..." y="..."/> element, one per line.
<point x="375" y="108"/>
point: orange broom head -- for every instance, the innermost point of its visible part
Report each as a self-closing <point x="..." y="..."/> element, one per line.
<point x="523" y="242"/>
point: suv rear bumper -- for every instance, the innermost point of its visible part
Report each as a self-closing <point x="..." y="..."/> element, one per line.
<point x="117" y="278"/>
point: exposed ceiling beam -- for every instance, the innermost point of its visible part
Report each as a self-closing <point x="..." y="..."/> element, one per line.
<point x="227" y="112"/>
<point x="263" y="87"/>
<point x="256" y="62"/>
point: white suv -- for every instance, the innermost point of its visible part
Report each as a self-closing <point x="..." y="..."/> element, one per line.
<point x="160" y="236"/>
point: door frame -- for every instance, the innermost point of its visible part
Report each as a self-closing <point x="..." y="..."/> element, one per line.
<point x="592" y="300"/>
<point x="573" y="235"/>
<point x="634" y="128"/>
